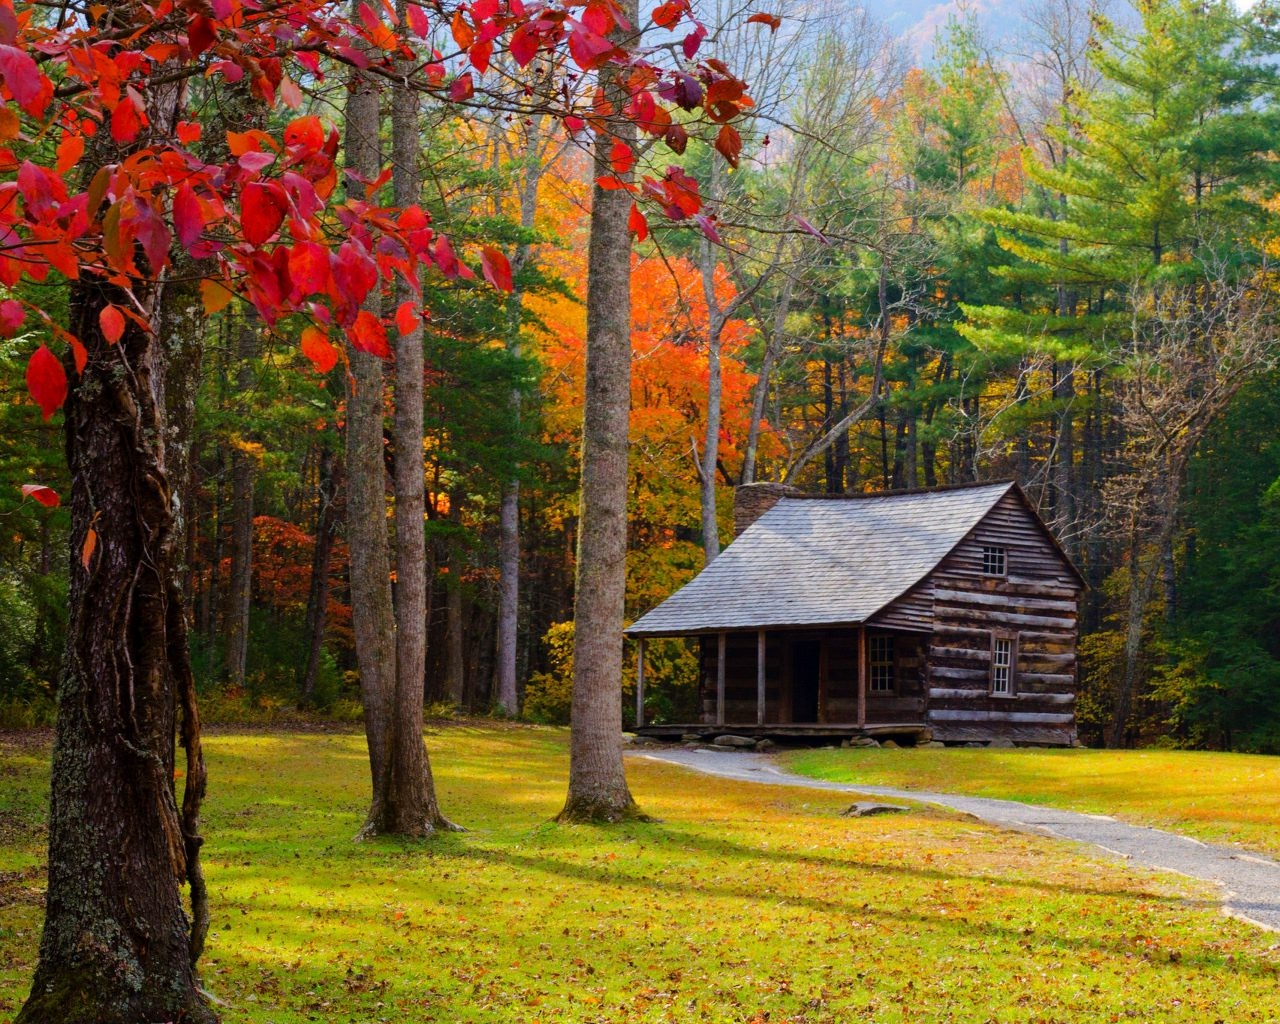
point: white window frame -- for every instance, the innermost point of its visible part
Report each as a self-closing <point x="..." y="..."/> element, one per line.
<point x="1004" y="665"/>
<point x="886" y="679"/>
<point x="998" y="554"/>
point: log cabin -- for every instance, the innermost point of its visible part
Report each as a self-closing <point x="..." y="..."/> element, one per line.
<point x="947" y="612"/>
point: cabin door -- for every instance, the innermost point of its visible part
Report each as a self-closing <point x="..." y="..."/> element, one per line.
<point x="806" y="660"/>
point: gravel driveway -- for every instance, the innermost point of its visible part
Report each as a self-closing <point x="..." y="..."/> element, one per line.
<point x="1250" y="883"/>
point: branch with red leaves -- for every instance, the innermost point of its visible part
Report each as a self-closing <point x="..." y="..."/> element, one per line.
<point x="270" y="220"/>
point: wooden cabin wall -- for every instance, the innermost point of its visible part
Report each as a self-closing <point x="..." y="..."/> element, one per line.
<point x="1036" y="602"/>
<point x="838" y="698"/>
<point x="740" y="679"/>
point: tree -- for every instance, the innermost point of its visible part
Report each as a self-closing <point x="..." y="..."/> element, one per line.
<point x="1164" y="218"/>
<point x="597" y="781"/>
<point x="117" y="944"/>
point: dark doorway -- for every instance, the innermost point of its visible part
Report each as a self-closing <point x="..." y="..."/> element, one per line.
<point x="806" y="658"/>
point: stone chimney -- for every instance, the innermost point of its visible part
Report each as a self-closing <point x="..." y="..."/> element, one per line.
<point x="751" y="501"/>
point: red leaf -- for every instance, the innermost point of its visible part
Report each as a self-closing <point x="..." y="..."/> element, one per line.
<point x="462" y="88"/>
<point x="693" y="41"/>
<point x="354" y="272"/>
<point x="47" y="496"/>
<point x="463" y="34"/>
<point x="189" y="132"/>
<point x="408" y="318"/>
<point x="574" y="124"/>
<point x="22" y="76"/>
<point x="772" y="20"/>
<point x="79" y="353"/>
<point x="309" y="267"/>
<point x="125" y="121"/>
<point x="636" y="224"/>
<point x="708" y="228"/>
<point x="524" y="44"/>
<point x="70" y="150"/>
<point x="444" y="257"/>
<point x="261" y="212"/>
<point x="111" y="320"/>
<point x="811" y="229"/>
<point x="612" y="184"/>
<point x="256" y="161"/>
<point x="306" y="132"/>
<point x="668" y="15"/>
<point x="88" y="548"/>
<point x="46" y="380"/>
<point x="188" y="218"/>
<point x="589" y="50"/>
<point x="729" y="144"/>
<point x="479" y="55"/>
<point x="497" y="271"/>
<point x="201" y="32"/>
<point x="369" y="335"/>
<point x="11" y="317"/>
<point x="621" y="157"/>
<point x="317" y="347"/>
<point x="418" y="23"/>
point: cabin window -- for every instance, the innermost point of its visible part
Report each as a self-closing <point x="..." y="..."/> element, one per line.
<point x="993" y="561"/>
<point x="1003" y="652"/>
<point x="880" y="652"/>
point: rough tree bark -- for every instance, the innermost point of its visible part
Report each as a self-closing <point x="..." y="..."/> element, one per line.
<point x="240" y="598"/>
<point x="318" y="593"/>
<point x="372" y="618"/>
<point x="117" y="945"/>
<point x="390" y="642"/>
<point x="597" y="782"/>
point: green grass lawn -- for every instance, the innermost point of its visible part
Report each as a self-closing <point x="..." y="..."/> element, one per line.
<point x="1227" y="798"/>
<point x="743" y="904"/>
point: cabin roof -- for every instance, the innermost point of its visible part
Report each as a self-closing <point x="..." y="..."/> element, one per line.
<point x="824" y="561"/>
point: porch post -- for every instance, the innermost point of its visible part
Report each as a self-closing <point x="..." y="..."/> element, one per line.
<point x="720" y="679"/>
<point x="760" y="678"/>
<point x="862" y="676"/>
<point x="639" y="682"/>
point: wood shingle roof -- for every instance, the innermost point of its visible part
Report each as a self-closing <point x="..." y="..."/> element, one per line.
<point x="823" y="561"/>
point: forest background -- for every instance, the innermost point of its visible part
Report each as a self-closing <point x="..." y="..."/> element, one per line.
<point x="1046" y="261"/>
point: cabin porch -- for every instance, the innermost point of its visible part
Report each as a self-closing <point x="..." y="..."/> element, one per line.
<point x="837" y="681"/>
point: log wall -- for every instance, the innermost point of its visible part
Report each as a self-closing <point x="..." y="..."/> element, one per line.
<point x="838" y="684"/>
<point x="1035" y="605"/>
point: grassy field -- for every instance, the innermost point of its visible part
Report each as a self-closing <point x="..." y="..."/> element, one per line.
<point x="1226" y="798"/>
<point x="742" y="904"/>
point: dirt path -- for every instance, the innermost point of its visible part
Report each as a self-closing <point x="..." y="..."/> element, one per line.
<point x="1250" y="884"/>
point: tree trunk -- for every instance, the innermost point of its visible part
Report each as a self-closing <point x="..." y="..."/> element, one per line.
<point x="318" y="593"/>
<point x="117" y="945"/>
<point x="455" y="676"/>
<point x="372" y="618"/>
<point x="390" y="642"/>
<point x="507" y="702"/>
<point x="760" y="394"/>
<point x="597" y="782"/>
<point x="711" y="437"/>
<point x="242" y="476"/>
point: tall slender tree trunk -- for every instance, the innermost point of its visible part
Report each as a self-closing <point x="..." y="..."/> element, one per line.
<point x="117" y="946"/>
<point x="318" y="592"/>
<point x="597" y="782"/>
<point x="409" y="804"/>
<point x="242" y="480"/>
<point x="760" y="394"/>
<point x="507" y="700"/>
<point x="455" y="670"/>
<point x="711" y="437"/>
<point x="372" y="618"/>
<point x="390" y="641"/>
